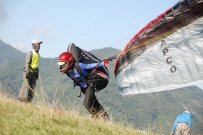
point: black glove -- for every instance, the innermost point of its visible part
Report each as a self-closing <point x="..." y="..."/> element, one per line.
<point x="27" y="76"/>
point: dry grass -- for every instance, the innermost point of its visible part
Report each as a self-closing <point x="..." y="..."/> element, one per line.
<point x="17" y="118"/>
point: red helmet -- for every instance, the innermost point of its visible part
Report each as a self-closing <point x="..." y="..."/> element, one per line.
<point x="65" y="61"/>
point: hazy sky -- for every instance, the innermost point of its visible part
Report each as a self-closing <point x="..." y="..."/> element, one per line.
<point x="90" y="24"/>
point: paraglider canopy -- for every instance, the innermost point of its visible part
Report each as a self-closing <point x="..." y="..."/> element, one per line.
<point x="166" y="54"/>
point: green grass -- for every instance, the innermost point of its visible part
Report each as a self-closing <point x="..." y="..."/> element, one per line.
<point x="18" y="118"/>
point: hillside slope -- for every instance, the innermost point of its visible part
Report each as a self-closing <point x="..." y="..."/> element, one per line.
<point x="18" y="118"/>
<point x="157" y="110"/>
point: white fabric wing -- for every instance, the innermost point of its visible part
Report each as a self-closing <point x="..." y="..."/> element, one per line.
<point x="174" y="62"/>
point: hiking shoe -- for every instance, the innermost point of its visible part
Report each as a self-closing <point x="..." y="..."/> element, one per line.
<point x="22" y="100"/>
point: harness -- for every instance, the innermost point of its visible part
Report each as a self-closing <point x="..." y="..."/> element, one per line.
<point x="93" y="77"/>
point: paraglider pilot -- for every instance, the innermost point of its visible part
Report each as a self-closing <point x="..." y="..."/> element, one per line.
<point x="87" y="72"/>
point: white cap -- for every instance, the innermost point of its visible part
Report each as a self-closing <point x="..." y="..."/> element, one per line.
<point x="186" y="112"/>
<point x="36" y="41"/>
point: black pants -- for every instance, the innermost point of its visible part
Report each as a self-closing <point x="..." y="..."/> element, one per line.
<point x="28" y="88"/>
<point x="90" y="101"/>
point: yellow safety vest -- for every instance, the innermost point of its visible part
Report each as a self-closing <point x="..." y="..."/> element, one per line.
<point x="34" y="62"/>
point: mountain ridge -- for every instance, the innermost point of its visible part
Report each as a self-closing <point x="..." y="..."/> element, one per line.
<point x="155" y="109"/>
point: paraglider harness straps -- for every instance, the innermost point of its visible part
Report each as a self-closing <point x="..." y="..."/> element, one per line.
<point x="81" y="74"/>
<point x="95" y="89"/>
<point x="84" y="78"/>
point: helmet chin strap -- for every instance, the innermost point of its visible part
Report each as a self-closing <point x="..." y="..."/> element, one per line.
<point x="70" y="69"/>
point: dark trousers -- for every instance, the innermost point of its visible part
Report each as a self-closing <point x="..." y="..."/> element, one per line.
<point x="91" y="103"/>
<point x="28" y="88"/>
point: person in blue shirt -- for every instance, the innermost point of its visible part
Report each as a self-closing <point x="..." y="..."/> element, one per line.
<point x="182" y="124"/>
<point x="80" y="73"/>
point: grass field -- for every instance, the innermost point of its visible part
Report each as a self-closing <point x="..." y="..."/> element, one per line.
<point x="18" y="118"/>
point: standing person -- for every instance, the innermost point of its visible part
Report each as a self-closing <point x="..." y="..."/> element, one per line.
<point x="87" y="72"/>
<point x="30" y="74"/>
<point x="182" y="124"/>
